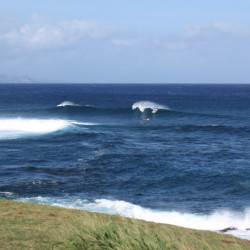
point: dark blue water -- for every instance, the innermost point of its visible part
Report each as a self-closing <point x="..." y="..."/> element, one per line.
<point x="185" y="152"/>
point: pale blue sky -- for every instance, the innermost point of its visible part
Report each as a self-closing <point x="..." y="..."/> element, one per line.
<point x="126" y="41"/>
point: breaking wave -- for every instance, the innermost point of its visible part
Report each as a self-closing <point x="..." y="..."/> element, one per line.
<point x="84" y="123"/>
<point x="216" y="221"/>
<point x="18" y="127"/>
<point x="142" y="105"/>
<point x="67" y="103"/>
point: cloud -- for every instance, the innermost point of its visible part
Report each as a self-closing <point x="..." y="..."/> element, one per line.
<point x="123" y="42"/>
<point x="84" y="47"/>
<point x="233" y="29"/>
<point x="43" y="34"/>
<point x="209" y="37"/>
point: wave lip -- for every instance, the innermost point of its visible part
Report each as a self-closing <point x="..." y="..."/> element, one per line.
<point x="15" y="128"/>
<point x="67" y="103"/>
<point x="142" y="105"/>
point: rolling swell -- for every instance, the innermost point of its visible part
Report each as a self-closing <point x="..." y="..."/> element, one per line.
<point x="168" y="121"/>
<point x="91" y="111"/>
<point x="112" y="112"/>
<point x="139" y="110"/>
<point x="129" y="112"/>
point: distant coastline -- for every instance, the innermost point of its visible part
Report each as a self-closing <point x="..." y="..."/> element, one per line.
<point x="14" y="79"/>
<point x="26" y="79"/>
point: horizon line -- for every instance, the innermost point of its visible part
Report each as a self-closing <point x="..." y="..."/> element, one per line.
<point x="124" y="83"/>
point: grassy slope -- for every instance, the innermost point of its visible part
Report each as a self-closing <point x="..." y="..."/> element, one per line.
<point x="33" y="226"/>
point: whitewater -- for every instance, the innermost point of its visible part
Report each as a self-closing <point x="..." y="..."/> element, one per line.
<point x="174" y="154"/>
<point x="217" y="221"/>
<point x="143" y="105"/>
<point x="14" y="128"/>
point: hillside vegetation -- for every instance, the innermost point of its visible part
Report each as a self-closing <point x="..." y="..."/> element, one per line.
<point x="33" y="226"/>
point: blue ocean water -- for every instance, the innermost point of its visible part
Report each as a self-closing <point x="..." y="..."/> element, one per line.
<point x="175" y="154"/>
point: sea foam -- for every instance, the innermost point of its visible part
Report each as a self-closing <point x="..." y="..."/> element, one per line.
<point x="15" y="128"/>
<point x="216" y="221"/>
<point x="142" y="105"/>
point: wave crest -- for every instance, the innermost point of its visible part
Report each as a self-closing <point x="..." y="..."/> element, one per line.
<point x="67" y="103"/>
<point x="142" y="105"/>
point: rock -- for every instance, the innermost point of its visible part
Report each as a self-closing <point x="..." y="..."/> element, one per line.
<point x="228" y="229"/>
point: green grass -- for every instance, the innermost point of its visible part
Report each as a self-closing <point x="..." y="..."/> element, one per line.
<point x="33" y="226"/>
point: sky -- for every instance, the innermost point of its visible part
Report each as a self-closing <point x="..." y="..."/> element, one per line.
<point x="127" y="41"/>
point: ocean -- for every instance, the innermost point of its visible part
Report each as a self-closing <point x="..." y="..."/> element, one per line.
<point x="168" y="153"/>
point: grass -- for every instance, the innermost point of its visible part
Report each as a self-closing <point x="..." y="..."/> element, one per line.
<point x="33" y="226"/>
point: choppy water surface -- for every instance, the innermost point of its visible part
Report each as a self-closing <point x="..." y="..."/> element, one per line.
<point x="175" y="154"/>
